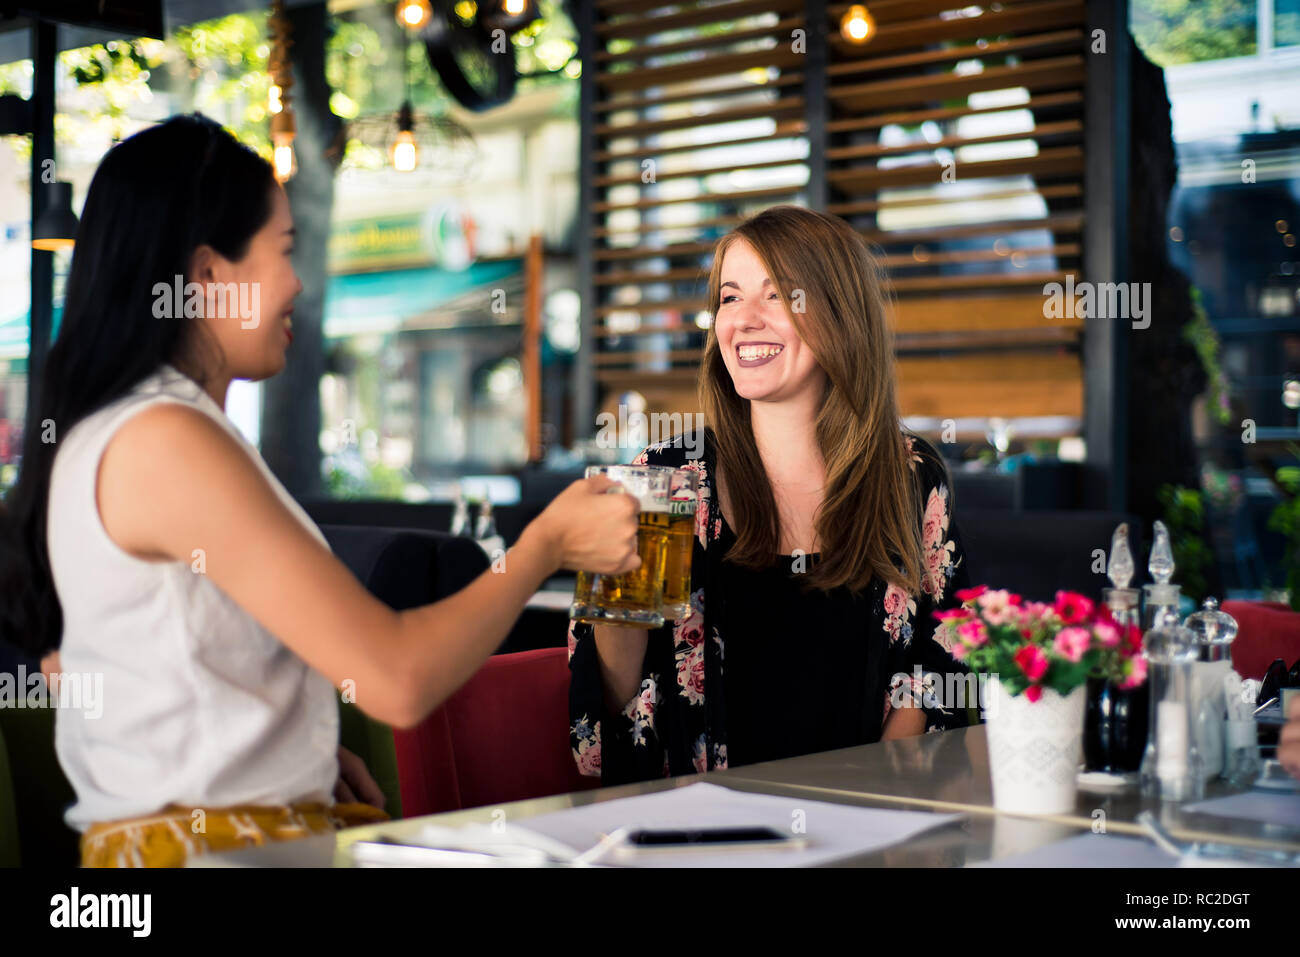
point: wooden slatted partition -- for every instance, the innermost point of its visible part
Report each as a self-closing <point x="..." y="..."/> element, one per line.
<point x="955" y="145"/>
<point x="953" y="141"/>
<point x="686" y="97"/>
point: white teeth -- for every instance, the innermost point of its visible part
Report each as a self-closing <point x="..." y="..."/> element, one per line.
<point x="758" y="352"/>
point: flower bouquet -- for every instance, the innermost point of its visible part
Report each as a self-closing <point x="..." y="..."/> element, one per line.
<point x="1038" y="658"/>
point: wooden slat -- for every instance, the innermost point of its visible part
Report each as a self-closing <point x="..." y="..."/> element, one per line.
<point x="1055" y="40"/>
<point x="654" y="355"/>
<point x="931" y="31"/>
<point x="1008" y="311"/>
<point x="968" y="340"/>
<point x="647" y="308"/>
<point x="675" y="251"/>
<point x="630" y="377"/>
<point x="695" y="94"/>
<point x="604" y="332"/>
<point x="784" y="131"/>
<point x="635" y="178"/>
<point x="720" y="65"/>
<point x="647" y="26"/>
<point x="1057" y="223"/>
<point x="773" y="109"/>
<point x="640" y="278"/>
<point x="1057" y="162"/>
<point x="923" y="90"/>
<point x="884" y="11"/>
<point x="766" y="192"/>
<point x="1045" y="101"/>
<point x="859" y="207"/>
<point x="968" y="282"/>
<point x="780" y="30"/>
<point x="1060" y="251"/>
<point x="1009" y="386"/>
<point x="1073" y="128"/>
<point x="647" y="228"/>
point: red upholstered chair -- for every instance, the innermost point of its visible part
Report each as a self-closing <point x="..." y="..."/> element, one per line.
<point x="503" y="737"/>
<point x="1265" y="630"/>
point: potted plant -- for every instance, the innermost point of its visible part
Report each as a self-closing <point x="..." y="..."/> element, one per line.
<point x="1037" y="659"/>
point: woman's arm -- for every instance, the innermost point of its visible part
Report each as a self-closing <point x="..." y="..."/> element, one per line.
<point x="621" y="652"/>
<point x="174" y="486"/>
<point x="903" y="723"/>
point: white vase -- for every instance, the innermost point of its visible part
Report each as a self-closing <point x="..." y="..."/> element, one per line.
<point x="1035" y="748"/>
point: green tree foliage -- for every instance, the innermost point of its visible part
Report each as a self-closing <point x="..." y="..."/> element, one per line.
<point x="1190" y="31"/>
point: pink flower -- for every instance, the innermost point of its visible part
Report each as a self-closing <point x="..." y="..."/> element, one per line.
<point x="995" y="607"/>
<point x="1032" y="661"/>
<point x="970" y="594"/>
<point x="1135" y="672"/>
<point x="1073" y="643"/>
<point x="1106" y="633"/>
<point x="1072" y="608"/>
<point x="973" y="632"/>
<point x="958" y="651"/>
<point x="952" y="614"/>
<point x="1034" y="692"/>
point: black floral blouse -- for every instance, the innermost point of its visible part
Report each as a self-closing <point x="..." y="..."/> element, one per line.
<point x="678" y="724"/>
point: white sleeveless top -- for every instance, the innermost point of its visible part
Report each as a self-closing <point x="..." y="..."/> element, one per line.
<point x="200" y="706"/>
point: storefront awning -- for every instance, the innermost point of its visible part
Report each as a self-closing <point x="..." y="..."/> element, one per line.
<point x="379" y="302"/>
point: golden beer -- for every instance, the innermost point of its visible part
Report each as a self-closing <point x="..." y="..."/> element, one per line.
<point x="632" y="599"/>
<point x="681" y="545"/>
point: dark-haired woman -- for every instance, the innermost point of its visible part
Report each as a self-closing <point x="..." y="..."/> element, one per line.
<point x="824" y="535"/>
<point x="152" y="546"/>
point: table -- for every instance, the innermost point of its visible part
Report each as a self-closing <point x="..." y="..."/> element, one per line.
<point x="946" y="772"/>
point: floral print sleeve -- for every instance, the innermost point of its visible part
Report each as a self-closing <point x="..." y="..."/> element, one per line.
<point x="923" y="670"/>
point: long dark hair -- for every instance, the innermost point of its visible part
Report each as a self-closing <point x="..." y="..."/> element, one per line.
<point x="154" y="200"/>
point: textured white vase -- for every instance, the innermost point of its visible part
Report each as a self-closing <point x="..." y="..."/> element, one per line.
<point x="1035" y="748"/>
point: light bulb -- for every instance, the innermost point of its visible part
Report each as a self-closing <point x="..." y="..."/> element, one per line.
<point x="857" y="25"/>
<point x="514" y="8"/>
<point x="285" y="162"/>
<point x="413" y="14"/>
<point x="275" y="99"/>
<point x="404" y="152"/>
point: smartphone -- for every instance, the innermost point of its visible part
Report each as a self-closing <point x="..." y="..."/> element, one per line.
<point x="704" y="837"/>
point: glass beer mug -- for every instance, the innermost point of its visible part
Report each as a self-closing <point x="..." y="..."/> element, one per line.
<point x="634" y="598"/>
<point x="682" y="498"/>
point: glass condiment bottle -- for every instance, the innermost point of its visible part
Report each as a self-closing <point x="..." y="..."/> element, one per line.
<point x="1215" y="630"/>
<point x="1171" y="765"/>
<point x="460" y="515"/>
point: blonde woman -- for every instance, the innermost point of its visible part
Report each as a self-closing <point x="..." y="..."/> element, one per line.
<point x="825" y="538"/>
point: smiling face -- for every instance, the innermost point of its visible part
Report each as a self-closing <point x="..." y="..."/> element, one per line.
<point x="249" y="302"/>
<point x="757" y="339"/>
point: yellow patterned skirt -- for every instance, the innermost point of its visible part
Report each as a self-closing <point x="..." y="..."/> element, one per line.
<point x="174" y="834"/>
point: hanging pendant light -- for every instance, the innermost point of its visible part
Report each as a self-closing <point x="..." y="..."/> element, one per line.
<point x="283" y="126"/>
<point x="56" y="227"/>
<point x="858" y="25"/>
<point x="403" y="152"/>
<point x="414" y="14"/>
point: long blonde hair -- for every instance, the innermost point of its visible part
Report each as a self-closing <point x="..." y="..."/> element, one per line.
<point x="868" y="523"/>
